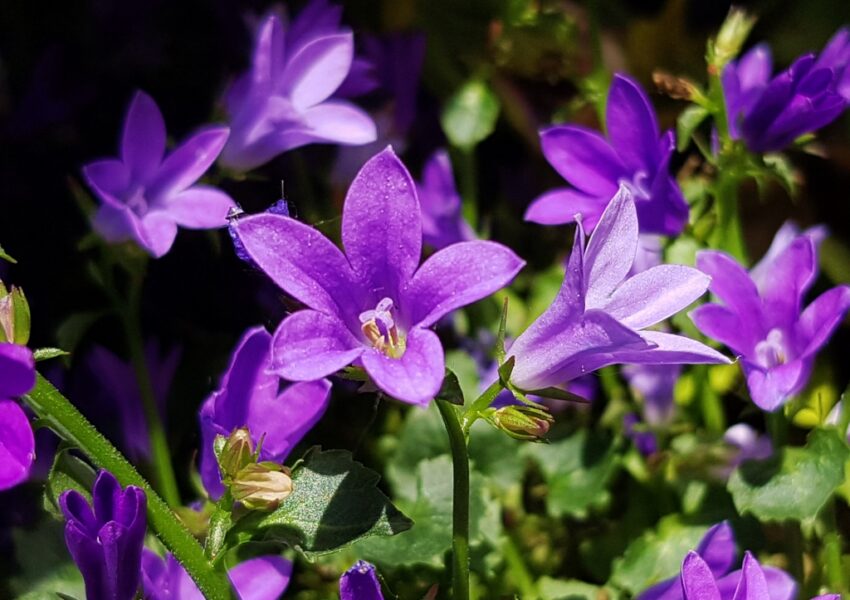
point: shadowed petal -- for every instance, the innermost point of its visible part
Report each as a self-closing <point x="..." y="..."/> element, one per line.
<point x="201" y="207"/>
<point x="117" y="224"/>
<point x="666" y="590"/>
<point x="246" y="379"/>
<point x="268" y="59"/>
<point x="143" y="138"/>
<point x="446" y="282"/>
<point x="158" y="233"/>
<point x="753" y="585"/>
<point x="414" y="378"/>
<point x="731" y="283"/>
<point x="560" y="206"/>
<point x="17" y="370"/>
<point x="108" y="178"/>
<point x="339" y="122"/>
<point x="17" y="445"/>
<point x="284" y="420"/>
<point x="721" y="324"/>
<point x="631" y="125"/>
<point x="584" y="158"/>
<point x="821" y="317"/>
<point x="88" y="556"/>
<point x="697" y="581"/>
<point x="717" y="548"/>
<point x="189" y="161"/>
<point x="261" y="578"/>
<point x="770" y="388"/>
<point x="317" y="69"/>
<point x="672" y="349"/>
<point x="310" y="345"/>
<point x="791" y="274"/>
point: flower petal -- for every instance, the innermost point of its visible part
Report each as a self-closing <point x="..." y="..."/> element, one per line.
<point x="584" y="158"/>
<point x="158" y="233"/>
<point x="310" y="345"/>
<point x="731" y="283"/>
<point x="189" y="161"/>
<point x="360" y="582"/>
<point x="108" y="178"/>
<point x="414" y="378"/>
<point x="143" y="138"/>
<point x="822" y="316"/>
<point x="17" y="445"/>
<point x="117" y="224"/>
<point x="560" y="206"/>
<point x="717" y="548"/>
<point x="339" y="122"/>
<point x="285" y="419"/>
<point x="17" y="370"/>
<point x="721" y="324"/>
<point x="200" y="207"/>
<point x="675" y="349"/>
<point x="458" y="275"/>
<point x="771" y="388"/>
<point x="753" y="585"/>
<point x="697" y="581"/>
<point x="632" y="126"/>
<point x="317" y="69"/>
<point x="791" y="274"/>
<point x="268" y="60"/>
<point x="261" y="578"/>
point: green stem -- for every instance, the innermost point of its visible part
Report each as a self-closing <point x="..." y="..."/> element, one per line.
<point x="480" y="404"/>
<point x="832" y="551"/>
<point x="727" y="234"/>
<point x="460" y="501"/>
<point x="777" y="427"/>
<point x="518" y="569"/>
<point x="65" y="420"/>
<point x="467" y="173"/>
<point x="795" y="551"/>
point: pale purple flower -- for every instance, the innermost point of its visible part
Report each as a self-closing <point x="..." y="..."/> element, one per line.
<point x="285" y="99"/>
<point x="770" y="113"/>
<point x="374" y="305"/>
<point x="750" y="444"/>
<point x="250" y="396"/>
<point x="764" y="321"/>
<point x="635" y="154"/>
<point x="600" y="317"/>
<point x="654" y="385"/>
<point x="17" y="444"/>
<point x="105" y="537"/>
<point x="360" y="582"/>
<point x="145" y="194"/>
<point x="442" y="209"/>
<point x="261" y="578"/>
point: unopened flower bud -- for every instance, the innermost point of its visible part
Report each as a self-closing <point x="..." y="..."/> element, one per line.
<point x="14" y="316"/>
<point x="677" y="88"/>
<point x="235" y="452"/>
<point x="262" y="486"/>
<point x="731" y="37"/>
<point x="521" y="422"/>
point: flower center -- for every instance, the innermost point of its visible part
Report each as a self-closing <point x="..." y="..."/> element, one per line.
<point x="772" y="351"/>
<point x="638" y="185"/>
<point x="136" y="201"/>
<point x="381" y="331"/>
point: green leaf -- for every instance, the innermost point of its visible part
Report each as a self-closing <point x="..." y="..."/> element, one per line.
<point x="6" y="257"/>
<point x="67" y="473"/>
<point x="450" y="391"/>
<point x="470" y="115"/>
<point x="687" y="123"/>
<point x="335" y="501"/>
<point x="794" y="484"/>
<point x="566" y="589"/>
<point x="782" y="171"/>
<point x="48" y="353"/>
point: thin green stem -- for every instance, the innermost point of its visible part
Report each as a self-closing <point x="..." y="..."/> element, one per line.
<point x="467" y="170"/>
<point x="66" y="420"/>
<point x="460" y="501"/>
<point x="794" y="537"/>
<point x="777" y="427"/>
<point x="727" y="234"/>
<point x="519" y="571"/>
<point x="832" y="551"/>
<point x="480" y="404"/>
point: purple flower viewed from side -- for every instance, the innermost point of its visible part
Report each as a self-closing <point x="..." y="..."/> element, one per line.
<point x="249" y="396"/>
<point x="17" y="444"/>
<point x="374" y="305"/>
<point x="764" y="321"/>
<point x="105" y="537"/>
<point x="284" y="100"/>
<point x="442" y="217"/>
<point x="770" y="113"/>
<point x="749" y="443"/>
<point x="360" y="582"/>
<point x="261" y="578"/>
<point x="654" y="385"/>
<point x="600" y="317"/>
<point x="635" y="155"/>
<point x="145" y="194"/>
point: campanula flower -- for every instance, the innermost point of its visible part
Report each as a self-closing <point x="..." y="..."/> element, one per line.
<point x="17" y="444"/>
<point x="770" y="113"/>
<point x="145" y="194"/>
<point x="600" y="317"/>
<point x="261" y="578"/>
<point x="249" y="396"/>
<point x="360" y="582"/>
<point x="285" y="99"/>
<point x="442" y="217"/>
<point x="762" y="318"/>
<point x="373" y="305"/>
<point x="716" y="553"/>
<point x="643" y="439"/>
<point x="634" y="155"/>
<point x="105" y="537"/>
<point x="654" y="385"/>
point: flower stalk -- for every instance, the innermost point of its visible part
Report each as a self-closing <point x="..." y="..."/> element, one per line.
<point x="460" y="500"/>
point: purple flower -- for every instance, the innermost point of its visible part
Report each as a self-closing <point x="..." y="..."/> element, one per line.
<point x="261" y="578"/>
<point x="716" y="556"/>
<point x="105" y="538"/>
<point x="768" y="114"/>
<point x="600" y="317"/>
<point x="643" y="440"/>
<point x="283" y="101"/>
<point x="442" y="217"/>
<point x="360" y="582"/>
<point x="634" y="155"/>
<point x="249" y="396"/>
<point x="654" y="385"/>
<point x="371" y="306"/>
<point x="17" y="444"/>
<point x="145" y="194"/>
<point x="748" y="442"/>
<point x="764" y="321"/>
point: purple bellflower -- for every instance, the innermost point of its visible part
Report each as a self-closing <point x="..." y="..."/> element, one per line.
<point x="442" y="217"/>
<point x="261" y="578"/>
<point x="145" y="194"/>
<point x="284" y="100"/>
<point x="600" y="317"/>
<point x="374" y="305"/>
<point x="17" y="444"/>
<point x="360" y="582"/>
<point x="716" y="553"/>
<point x="635" y="155"/>
<point x="769" y="114"/>
<point x="762" y="317"/>
<point x="105" y="537"/>
<point x="249" y="396"/>
<point x="643" y="440"/>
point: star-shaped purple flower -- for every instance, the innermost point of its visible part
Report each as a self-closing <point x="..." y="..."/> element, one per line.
<point x="600" y="317"/>
<point x="635" y="155"/>
<point x="762" y="317"/>
<point x="374" y="305"/>
<point x="145" y="194"/>
<point x="442" y="217"/>
<point x="17" y="444"/>
<point x="249" y="396"/>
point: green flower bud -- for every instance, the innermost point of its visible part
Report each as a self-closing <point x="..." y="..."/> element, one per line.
<point x="234" y="452"/>
<point x="261" y="486"/>
<point x="521" y="422"/>
<point x="731" y="37"/>
<point x="14" y="316"/>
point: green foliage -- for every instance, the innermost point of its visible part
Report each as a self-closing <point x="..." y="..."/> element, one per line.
<point x="48" y="353"/>
<point x="67" y="473"/>
<point x="687" y="123"/>
<point x="45" y="566"/>
<point x="470" y="115"/>
<point x="6" y="257"/>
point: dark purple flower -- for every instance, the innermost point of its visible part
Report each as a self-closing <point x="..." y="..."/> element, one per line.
<point x="261" y="578"/>
<point x="17" y="444"/>
<point x="764" y="321"/>
<point x="360" y="582"/>
<point x="643" y="440"/>
<point x="145" y="194"/>
<point x="442" y="210"/>
<point x="105" y="537"/>
<point x="768" y="114"/>
<point x="250" y="396"/>
<point x="284" y="100"/>
<point x="374" y="305"/>
<point x="635" y="155"/>
<point x="600" y="317"/>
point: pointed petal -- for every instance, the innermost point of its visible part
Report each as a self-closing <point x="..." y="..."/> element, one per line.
<point x="310" y="345"/>
<point x="158" y="232"/>
<point x="721" y="324"/>
<point x="268" y="59"/>
<point x="261" y="578"/>
<point x="666" y="212"/>
<point x="731" y="283"/>
<point x="108" y="179"/>
<point x="201" y="207"/>
<point x="17" y="445"/>
<point x="791" y="274"/>
<point x="697" y="581"/>
<point x="301" y="261"/>
<point x="458" y="275"/>
<point x="317" y="69"/>
<point x="771" y="388"/>
<point x="414" y="378"/>
<point x="717" y="548"/>
<point x="246" y="379"/>
<point x="753" y="585"/>
<point x="822" y="316"/>
<point x="285" y="419"/>
<point x="360" y="582"/>
<point x="339" y="122"/>
<point x="560" y="206"/>
<point x="17" y="370"/>
<point x="382" y="226"/>
<point x="631" y="125"/>
<point x="117" y="224"/>
<point x="655" y="294"/>
<point x="672" y="349"/>
<point x="780" y="584"/>
<point x="189" y="161"/>
<point x="143" y="138"/>
<point x="88" y="556"/>
<point x="584" y="158"/>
